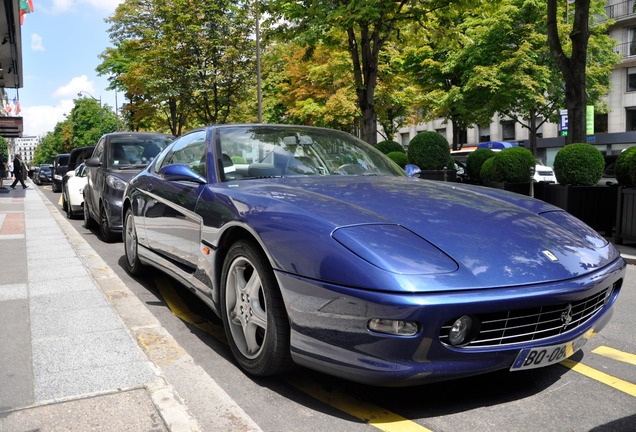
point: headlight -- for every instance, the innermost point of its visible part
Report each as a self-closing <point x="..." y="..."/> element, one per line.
<point x="57" y="177"/>
<point x="116" y="182"/>
<point x="394" y="327"/>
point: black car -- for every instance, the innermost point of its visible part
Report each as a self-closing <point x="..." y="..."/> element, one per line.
<point x="60" y="166"/>
<point x="42" y="174"/>
<point x="117" y="157"/>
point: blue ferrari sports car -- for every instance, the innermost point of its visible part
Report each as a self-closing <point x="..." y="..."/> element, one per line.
<point x="317" y="250"/>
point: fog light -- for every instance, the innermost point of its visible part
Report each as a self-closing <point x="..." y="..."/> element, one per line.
<point x="394" y="327"/>
<point x="460" y="330"/>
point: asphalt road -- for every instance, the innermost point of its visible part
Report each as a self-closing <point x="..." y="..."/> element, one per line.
<point x="596" y="392"/>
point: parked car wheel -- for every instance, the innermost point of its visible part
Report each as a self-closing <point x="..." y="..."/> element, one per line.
<point x="66" y="206"/>
<point x="105" y="232"/>
<point x="129" y="233"/>
<point x="254" y="317"/>
<point x="88" y="220"/>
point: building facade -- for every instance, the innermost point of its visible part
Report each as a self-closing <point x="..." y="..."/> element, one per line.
<point x="613" y="132"/>
<point x="26" y="147"/>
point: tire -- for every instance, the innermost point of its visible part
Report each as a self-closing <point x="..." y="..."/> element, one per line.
<point x="129" y="235"/>
<point x="89" y="223"/>
<point x="106" y="234"/>
<point x="67" y="205"/>
<point x="254" y="317"/>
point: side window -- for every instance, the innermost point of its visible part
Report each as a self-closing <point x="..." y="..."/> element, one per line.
<point x="190" y="150"/>
<point x="99" y="150"/>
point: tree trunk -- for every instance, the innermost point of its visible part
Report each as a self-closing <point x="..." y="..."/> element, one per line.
<point x="533" y="132"/>
<point x="572" y="68"/>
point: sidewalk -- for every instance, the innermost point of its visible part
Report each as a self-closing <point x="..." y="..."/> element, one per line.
<point x="79" y="351"/>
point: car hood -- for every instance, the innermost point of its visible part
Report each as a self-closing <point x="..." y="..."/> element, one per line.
<point x="432" y="234"/>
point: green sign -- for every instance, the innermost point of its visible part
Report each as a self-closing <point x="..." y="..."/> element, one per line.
<point x="589" y="120"/>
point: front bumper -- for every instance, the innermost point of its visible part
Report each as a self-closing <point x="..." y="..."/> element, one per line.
<point x="329" y="327"/>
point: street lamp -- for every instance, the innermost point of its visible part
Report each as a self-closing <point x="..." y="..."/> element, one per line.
<point x="79" y="94"/>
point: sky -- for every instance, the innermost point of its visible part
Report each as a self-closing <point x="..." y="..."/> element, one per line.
<point x="61" y="44"/>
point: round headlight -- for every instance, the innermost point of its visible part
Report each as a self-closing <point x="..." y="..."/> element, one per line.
<point x="460" y="330"/>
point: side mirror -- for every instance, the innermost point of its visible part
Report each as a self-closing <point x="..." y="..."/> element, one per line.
<point x="181" y="172"/>
<point x="412" y="170"/>
<point x="93" y="162"/>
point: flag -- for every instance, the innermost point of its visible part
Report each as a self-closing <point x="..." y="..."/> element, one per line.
<point x="26" y="6"/>
<point x="16" y="106"/>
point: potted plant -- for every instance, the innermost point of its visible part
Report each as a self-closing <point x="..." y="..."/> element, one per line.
<point x="475" y="161"/>
<point x="509" y="169"/>
<point x="430" y="151"/>
<point x="625" y="169"/>
<point x="578" y="168"/>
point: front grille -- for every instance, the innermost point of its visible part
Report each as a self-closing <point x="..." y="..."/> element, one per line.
<point x="545" y="173"/>
<point x="515" y="326"/>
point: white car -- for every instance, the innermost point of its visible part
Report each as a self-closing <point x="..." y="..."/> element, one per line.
<point x="73" y="193"/>
<point x="543" y="173"/>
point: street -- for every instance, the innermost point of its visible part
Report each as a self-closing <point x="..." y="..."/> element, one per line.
<point x="595" y="390"/>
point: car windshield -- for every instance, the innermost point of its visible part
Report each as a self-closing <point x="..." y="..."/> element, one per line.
<point x="261" y="151"/>
<point x="133" y="152"/>
<point x="45" y="169"/>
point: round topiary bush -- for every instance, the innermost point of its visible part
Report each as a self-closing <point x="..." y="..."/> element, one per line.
<point x="388" y="146"/>
<point x="514" y="164"/>
<point x="579" y="165"/>
<point x="624" y="165"/>
<point x="475" y="161"/>
<point x="429" y="150"/>
<point x="487" y="172"/>
<point x="399" y="158"/>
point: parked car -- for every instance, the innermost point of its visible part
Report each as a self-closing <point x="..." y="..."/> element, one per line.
<point x="60" y="166"/>
<point x="76" y="158"/>
<point x="73" y="192"/>
<point x="117" y="157"/>
<point x="314" y="248"/>
<point x="43" y="174"/>
<point x="543" y="173"/>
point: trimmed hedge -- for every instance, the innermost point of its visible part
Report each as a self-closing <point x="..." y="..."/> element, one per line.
<point x="475" y="161"/>
<point x="513" y="165"/>
<point x="429" y="150"/>
<point x="579" y="164"/>
<point x="624" y="166"/>
<point x="399" y="158"/>
<point x="388" y="146"/>
<point x="487" y="172"/>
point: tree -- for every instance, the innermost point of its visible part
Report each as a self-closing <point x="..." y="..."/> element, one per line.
<point x="573" y="67"/>
<point x="184" y="64"/>
<point x="368" y="24"/>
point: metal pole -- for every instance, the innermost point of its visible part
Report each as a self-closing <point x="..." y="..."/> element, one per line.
<point x="258" y="64"/>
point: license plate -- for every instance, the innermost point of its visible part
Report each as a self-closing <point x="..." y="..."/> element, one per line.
<point x="531" y="358"/>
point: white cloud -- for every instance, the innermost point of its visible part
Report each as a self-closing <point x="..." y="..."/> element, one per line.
<point x="36" y="42"/>
<point x="38" y="120"/>
<point x="76" y="85"/>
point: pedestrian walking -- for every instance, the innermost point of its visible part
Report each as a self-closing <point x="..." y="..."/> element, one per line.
<point x="3" y="171"/>
<point x="18" y="171"/>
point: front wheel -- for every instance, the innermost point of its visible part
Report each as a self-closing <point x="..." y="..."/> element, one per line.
<point x="105" y="232"/>
<point x="256" y="325"/>
<point x="88" y="220"/>
<point x="129" y="233"/>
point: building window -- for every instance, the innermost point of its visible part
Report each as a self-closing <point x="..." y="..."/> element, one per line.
<point x="600" y="123"/>
<point x="484" y="133"/>
<point x="631" y="79"/>
<point x="508" y="130"/>
<point x="630" y="119"/>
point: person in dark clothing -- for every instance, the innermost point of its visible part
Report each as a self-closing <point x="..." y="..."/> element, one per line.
<point x="3" y="171"/>
<point x="17" y="171"/>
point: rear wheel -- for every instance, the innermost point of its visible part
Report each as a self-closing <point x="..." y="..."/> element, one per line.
<point x="129" y="233"/>
<point x="88" y="221"/>
<point x="256" y="325"/>
<point x="66" y="205"/>
<point x="105" y="232"/>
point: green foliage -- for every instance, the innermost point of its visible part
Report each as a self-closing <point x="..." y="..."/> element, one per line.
<point x="487" y="172"/>
<point x="429" y="150"/>
<point x="399" y="157"/>
<point x="388" y="146"/>
<point x="475" y="161"/>
<point x="513" y="165"/>
<point x="624" y="166"/>
<point x="4" y="148"/>
<point x="238" y="159"/>
<point x="579" y="164"/>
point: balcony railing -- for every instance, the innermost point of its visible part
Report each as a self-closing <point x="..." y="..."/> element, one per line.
<point x="625" y="49"/>
<point x="621" y="10"/>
